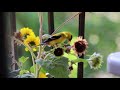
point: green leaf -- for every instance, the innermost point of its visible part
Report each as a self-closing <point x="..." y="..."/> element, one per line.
<point x="23" y="72"/>
<point x="57" y="67"/>
<point x="59" y="72"/>
<point x="23" y="59"/>
<point x="60" y="69"/>
<point x="47" y="48"/>
<point x="42" y="70"/>
<point x="32" y="69"/>
<point x="70" y="56"/>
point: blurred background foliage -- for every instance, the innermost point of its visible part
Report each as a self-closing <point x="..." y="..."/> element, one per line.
<point x="101" y="32"/>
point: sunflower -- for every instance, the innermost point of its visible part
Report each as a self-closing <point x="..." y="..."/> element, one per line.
<point x="80" y="46"/>
<point x="32" y="41"/>
<point x="95" y="61"/>
<point x="58" y="52"/>
<point x="26" y="32"/>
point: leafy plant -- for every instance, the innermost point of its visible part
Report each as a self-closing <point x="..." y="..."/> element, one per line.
<point x="47" y="52"/>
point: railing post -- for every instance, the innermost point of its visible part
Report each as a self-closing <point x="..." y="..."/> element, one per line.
<point x="81" y="33"/>
<point x="13" y="46"/>
<point x="51" y="22"/>
<point x="7" y="27"/>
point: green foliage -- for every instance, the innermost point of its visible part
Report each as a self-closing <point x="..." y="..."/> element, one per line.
<point x="22" y="62"/>
<point x="23" y="59"/>
<point x="32" y="69"/>
<point x="58" y="67"/>
<point x="23" y="72"/>
<point x="47" y="48"/>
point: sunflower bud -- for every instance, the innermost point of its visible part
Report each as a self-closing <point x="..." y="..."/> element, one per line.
<point x="95" y="61"/>
<point x="58" y="52"/>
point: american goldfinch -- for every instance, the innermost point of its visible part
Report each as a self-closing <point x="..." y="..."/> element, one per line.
<point x="58" y="38"/>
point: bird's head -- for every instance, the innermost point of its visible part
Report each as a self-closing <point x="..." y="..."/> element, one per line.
<point x="68" y="35"/>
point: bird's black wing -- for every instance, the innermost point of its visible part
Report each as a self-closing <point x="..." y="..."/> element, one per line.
<point x="52" y="38"/>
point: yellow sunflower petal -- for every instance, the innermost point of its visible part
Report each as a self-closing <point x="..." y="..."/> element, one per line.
<point x="42" y="75"/>
<point x="26" y="31"/>
<point x="37" y="41"/>
<point x="32" y="41"/>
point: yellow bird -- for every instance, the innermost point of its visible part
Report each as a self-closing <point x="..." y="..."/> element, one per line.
<point x="58" y="38"/>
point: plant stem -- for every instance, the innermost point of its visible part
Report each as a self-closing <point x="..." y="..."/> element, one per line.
<point x="31" y="51"/>
<point x="33" y="57"/>
<point x="38" y="71"/>
<point x="80" y="60"/>
<point x="47" y="55"/>
<point x="33" y="63"/>
<point x="66" y="22"/>
<point x="40" y="32"/>
<point x="40" y="15"/>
